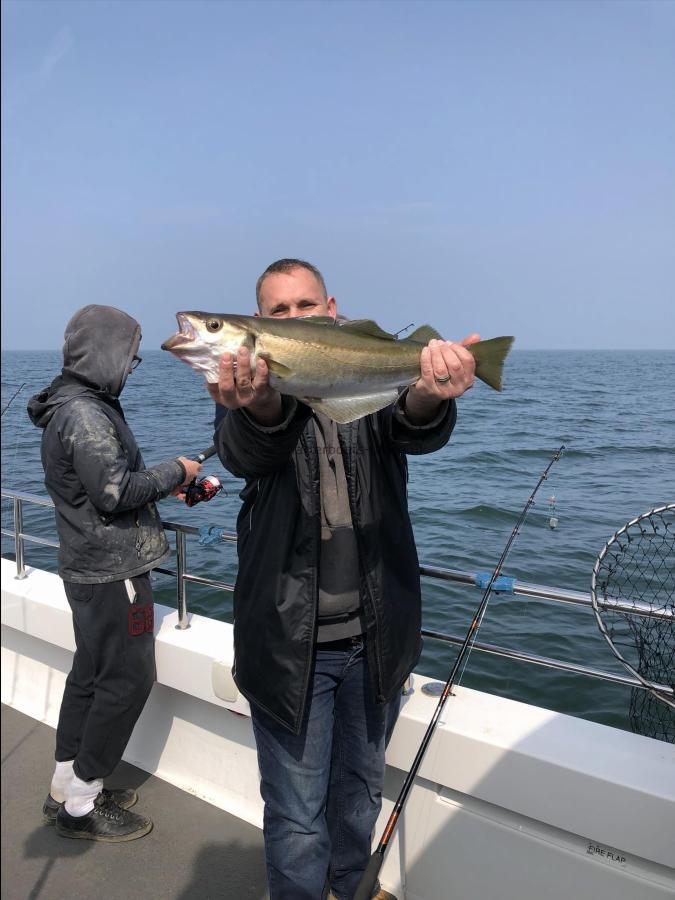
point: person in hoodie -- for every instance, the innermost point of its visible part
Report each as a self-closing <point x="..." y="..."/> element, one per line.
<point x="110" y="536"/>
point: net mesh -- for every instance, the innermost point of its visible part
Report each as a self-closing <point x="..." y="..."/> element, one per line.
<point x="634" y="602"/>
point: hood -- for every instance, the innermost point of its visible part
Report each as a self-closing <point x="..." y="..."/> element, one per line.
<point x="42" y="406"/>
<point x="100" y="344"/>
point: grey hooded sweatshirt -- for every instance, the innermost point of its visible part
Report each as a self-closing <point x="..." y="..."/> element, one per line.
<point x="109" y="528"/>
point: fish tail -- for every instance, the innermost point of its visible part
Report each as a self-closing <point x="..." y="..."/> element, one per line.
<point x="490" y="356"/>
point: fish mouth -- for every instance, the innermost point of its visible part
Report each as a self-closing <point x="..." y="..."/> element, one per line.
<point x="185" y="337"/>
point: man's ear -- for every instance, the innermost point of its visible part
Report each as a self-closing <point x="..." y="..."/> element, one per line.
<point x="332" y="306"/>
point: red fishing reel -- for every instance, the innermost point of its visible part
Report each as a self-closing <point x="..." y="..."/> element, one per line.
<point x="206" y="488"/>
<point x="203" y="490"/>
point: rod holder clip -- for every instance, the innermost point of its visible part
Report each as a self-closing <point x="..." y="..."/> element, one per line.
<point x="501" y="585"/>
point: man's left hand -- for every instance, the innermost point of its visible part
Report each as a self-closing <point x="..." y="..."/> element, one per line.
<point x="447" y="371"/>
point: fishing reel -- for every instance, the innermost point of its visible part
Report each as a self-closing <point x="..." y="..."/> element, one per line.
<point x="203" y="490"/>
<point x="206" y="488"/>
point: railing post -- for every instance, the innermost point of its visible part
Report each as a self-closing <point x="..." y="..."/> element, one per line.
<point x="18" y="539"/>
<point x="181" y="600"/>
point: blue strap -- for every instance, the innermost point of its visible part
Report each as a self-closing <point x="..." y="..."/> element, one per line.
<point x="501" y="584"/>
<point x="210" y="534"/>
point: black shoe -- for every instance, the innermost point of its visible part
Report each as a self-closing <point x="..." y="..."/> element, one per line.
<point x="124" y="798"/>
<point x="106" y="822"/>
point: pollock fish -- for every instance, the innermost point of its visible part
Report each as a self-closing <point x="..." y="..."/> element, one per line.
<point x="344" y="369"/>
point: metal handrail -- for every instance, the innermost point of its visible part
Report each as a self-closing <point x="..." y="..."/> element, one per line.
<point x="519" y="588"/>
<point x="546" y="661"/>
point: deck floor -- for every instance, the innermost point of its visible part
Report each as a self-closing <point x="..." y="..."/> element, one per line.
<point x="194" y="852"/>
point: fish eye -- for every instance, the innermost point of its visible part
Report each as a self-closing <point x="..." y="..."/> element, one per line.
<point x="213" y="324"/>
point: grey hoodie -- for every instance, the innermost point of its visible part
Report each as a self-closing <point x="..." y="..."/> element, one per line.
<point x="109" y="528"/>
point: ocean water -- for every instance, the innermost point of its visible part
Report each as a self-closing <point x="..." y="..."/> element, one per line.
<point x="614" y="411"/>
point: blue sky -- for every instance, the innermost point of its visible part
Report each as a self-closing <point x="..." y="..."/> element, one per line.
<point x="500" y="167"/>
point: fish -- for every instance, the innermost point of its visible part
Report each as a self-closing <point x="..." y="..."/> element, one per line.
<point x="345" y="369"/>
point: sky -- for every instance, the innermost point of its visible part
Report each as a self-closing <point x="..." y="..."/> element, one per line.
<point x="500" y="167"/>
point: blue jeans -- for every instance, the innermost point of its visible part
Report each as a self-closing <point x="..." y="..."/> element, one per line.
<point x="323" y="788"/>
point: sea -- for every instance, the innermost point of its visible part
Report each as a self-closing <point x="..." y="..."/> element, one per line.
<point x="613" y="410"/>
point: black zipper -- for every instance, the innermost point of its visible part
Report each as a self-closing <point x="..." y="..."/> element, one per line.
<point x="250" y="512"/>
<point x="312" y="468"/>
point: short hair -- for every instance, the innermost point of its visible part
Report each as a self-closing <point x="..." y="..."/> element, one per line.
<point x="284" y="266"/>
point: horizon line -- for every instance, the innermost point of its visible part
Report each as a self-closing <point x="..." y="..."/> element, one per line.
<point x="516" y="349"/>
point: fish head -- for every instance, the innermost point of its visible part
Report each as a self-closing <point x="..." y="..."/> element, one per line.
<point x="203" y="337"/>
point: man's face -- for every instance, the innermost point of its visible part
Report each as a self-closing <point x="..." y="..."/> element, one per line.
<point x="287" y="295"/>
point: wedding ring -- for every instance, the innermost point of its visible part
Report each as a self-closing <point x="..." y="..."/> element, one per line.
<point x="444" y="380"/>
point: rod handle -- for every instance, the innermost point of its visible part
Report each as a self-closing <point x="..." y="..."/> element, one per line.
<point x="369" y="878"/>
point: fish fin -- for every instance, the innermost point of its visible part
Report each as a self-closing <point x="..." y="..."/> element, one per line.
<point x="490" y="356"/>
<point x="367" y="326"/>
<point x="276" y="368"/>
<point x="423" y="335"/>
<point x="347" y="409"/>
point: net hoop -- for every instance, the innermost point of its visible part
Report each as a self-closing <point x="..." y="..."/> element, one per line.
<point x="664" y="693"/>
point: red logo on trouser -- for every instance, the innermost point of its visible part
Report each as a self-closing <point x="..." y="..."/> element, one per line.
<point x="141" y="619"/>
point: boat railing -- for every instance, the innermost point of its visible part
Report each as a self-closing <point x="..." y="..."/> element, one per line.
<point x="473" y="579"/>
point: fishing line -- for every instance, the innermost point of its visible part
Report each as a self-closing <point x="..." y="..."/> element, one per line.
<point x="14" y="396"/>
<point x="495" y="590"/>
<point x="553" y="519"/>
<point x="18" y="431"/>
<point x="369" y="878"/>
<point x="401" y="330"/>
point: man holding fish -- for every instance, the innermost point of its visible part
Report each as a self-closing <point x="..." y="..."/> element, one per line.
<point x="327" y="601"/>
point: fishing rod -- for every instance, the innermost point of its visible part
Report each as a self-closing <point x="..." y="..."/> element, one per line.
<point x="206" y="454"/>
<point x="14" y="396"/>
<point x="369" y="878"/>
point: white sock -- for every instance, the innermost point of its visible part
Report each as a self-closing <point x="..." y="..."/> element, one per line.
<point x="81" y="795"/>
<point x="61" y="778"/>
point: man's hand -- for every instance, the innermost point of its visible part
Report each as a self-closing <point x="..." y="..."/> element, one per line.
<point x="238" y="386"/>
<point x="447" y="371"/>
<point x="192" y="469"/>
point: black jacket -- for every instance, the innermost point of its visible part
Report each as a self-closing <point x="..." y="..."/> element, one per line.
<point x="109" y="528"/>
<point x="278" y="531"/>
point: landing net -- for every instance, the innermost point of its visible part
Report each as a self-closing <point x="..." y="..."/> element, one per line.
<point x="633" y="593"/>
